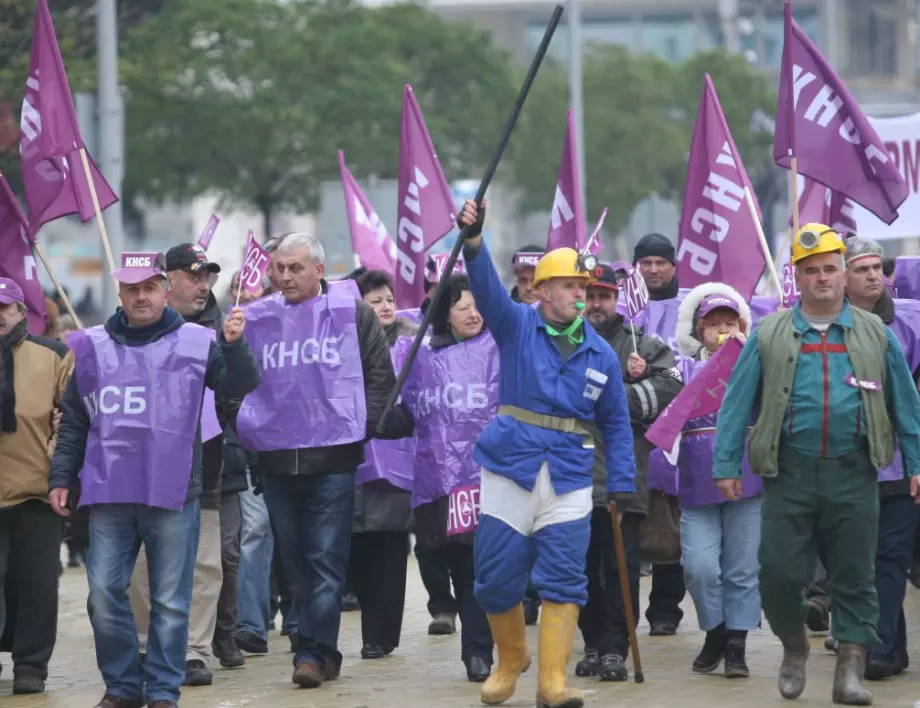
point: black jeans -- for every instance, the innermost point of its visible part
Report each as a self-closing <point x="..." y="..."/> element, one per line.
<point x="30" y="565"/>
<point x="668" y="591"/>
<point x="475" y="633"/>
<point x="602" y="620"/>
<point x="435" y="572"/>
<point x="896" y="531"/>
<point x="377" y="574"/>
<point x="231" y="523"/>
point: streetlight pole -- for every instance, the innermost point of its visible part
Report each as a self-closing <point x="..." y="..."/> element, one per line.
<point x="576" y="100"/>
<point x="111" y="137"/>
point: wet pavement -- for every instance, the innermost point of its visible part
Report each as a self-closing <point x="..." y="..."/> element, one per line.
<point x="426" y="671"/>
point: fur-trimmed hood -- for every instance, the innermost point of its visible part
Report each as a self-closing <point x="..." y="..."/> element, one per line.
<point x="687" y="339"/>
<point x="401" y="327"/>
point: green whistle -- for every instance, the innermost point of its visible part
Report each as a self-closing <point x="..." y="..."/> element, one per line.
<point x="579" y="306"/>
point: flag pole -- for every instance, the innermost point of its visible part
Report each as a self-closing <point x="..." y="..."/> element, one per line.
<point x="57" y="286"/>
<point x="749" y="198"/>
<point x="491" y="167"/>
<point x="99" y="220"/>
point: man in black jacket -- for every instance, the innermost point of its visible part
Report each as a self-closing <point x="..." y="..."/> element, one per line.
<point x="652" y="381"/>
<point x="309" y="491"/>
<point x="140" y="413"/>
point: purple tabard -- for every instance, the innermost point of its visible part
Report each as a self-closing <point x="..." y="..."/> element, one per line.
<point x="345" y="288"/>
<point x="907" y="277"/>
<point x="452" y="393"/>
<point x="144" y="405"/>
<point x="414" y="315"/>
<point x="695" y="463"/>
<point x="210" y="425"/>
<point x="390" y="460"/>
<point x="662" y="475"/>
<point x="312" y="388"/>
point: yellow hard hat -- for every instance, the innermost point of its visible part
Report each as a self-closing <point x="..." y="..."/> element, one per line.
<point x="813" y="239"/>
<point x="563" y="263"/>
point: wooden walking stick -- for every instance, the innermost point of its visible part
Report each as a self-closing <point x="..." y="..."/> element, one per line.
<point x="638" y="676"/>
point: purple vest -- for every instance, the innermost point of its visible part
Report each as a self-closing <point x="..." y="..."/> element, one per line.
<point x="696" y="486"/>
<point x="312" y="388"/>
<point x="907" y="277"/>
<point x="144" y="405"/>
<point x="906" y="327"/>
<point x="414" y="315"/>
<point x="390" y="460"/>
<point x="210" y="425"/>
<point x="452" y="393"/>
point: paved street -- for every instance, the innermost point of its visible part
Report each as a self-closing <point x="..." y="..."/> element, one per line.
<point x="426" y="671"/>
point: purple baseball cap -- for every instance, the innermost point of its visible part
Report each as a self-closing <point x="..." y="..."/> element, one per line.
<point x="717" y="302"/>
<point x="10" y="292"/>
<point x="138" y="267"/>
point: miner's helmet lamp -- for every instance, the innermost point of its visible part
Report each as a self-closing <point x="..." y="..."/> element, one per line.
<point x="813" y="239"/>
<point x="564" y="263"/>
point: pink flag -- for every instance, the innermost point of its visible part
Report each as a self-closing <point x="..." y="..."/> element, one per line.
<point x="636" y="292"/>
<point x="50" y="140"/>
<point x="16" y="260"/>
<point x="369" y="236"/>
<point x="567" y="227"/>
<point x="820" y="124"/>
<point x="440" y="261"/>
<point x="718" y="236"/>
<point x="702" y="396"/>
<point x="821" y="205"/>
<point x="426" y="207"/>
<point x="205" y="239"/>
<point x="255" y="265"/>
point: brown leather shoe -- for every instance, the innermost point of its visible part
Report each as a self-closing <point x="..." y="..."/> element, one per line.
<point x="110" y="701"/>
<point x="308" y="675"/>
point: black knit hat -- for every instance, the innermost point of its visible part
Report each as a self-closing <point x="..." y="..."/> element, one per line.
<point x="654" y="245"/>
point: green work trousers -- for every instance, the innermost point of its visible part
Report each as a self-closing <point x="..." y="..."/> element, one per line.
<point x="829" y="505"/>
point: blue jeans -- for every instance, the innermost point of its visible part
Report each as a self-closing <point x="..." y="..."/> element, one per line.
<point x="719" y="545"/>
<point x="256" y="545"/>
<point x="116" y="532"/>
<point x="312" y="517"/>
<point x="896" y="530"/>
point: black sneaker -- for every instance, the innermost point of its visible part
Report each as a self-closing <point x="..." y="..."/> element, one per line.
<point x="879" y="667"/>
<point x="24" y="685"/>
<point x="589" y="665"/>
<point x="818" y="618"/>
<point x="227" y="652"/>
<point x="350" y="603"/>
<point x="662" y="629"/>
<point x="197" y="674"/>
<point x="251" y="643"/>
<point x="735" y="663"/>
<point x="713" y="650"/>
<point x="372" y="651"/>
<point x="613" y="668"/>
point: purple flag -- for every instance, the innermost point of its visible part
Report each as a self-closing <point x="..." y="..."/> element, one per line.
<point x="636" y="292"/>
<point x="16" y="260"/>
<point x="255" y="264"/>
<point x="821" y="205"/>
<point x="205" y="239"/>
<point x="567" y="227"/>
<point x="718" y="236"/>
<point x="50" y="140"/>
<point x="702" y="396"/>
<point x="426" y="207"/>
<point x="369" y="236"/>
<point x="440" y="261"/>
<point x="820" y="124"/>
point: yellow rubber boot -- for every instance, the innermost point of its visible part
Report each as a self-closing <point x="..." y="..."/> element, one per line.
<point x="510" y="637"/>
<point x="557" y="632"/>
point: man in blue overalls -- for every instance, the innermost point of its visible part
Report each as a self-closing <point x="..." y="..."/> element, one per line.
<point x="536" y="493"/>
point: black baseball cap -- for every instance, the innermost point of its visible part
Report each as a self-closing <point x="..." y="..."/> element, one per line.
<point x="604" y="276"/>
<point x="189" y="257"/>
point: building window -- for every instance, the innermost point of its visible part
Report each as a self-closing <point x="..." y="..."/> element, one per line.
<point x="872" y="30"/>
<point x="762" y="35"/>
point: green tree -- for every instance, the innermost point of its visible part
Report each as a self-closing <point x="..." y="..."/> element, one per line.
<point x="252" y="98"/>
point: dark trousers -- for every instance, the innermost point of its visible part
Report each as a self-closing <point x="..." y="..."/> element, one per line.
<point x="831" y="504"/>
<point x="897" y="527"/>
<point x="231" y="523"/>
<point x="280" y="598"/>
<point x="78" y="531"/>
<point x="312" y="517"/>
<point x="668" y="591"/>
<point x="602" y="620"/>
<point x="377" y="573"/>
<point x="435" y="572"/>
<point x="475" y="633"/>
<point x="30" y="564"/>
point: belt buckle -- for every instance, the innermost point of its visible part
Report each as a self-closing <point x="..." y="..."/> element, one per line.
<point x="588" y="442"/>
